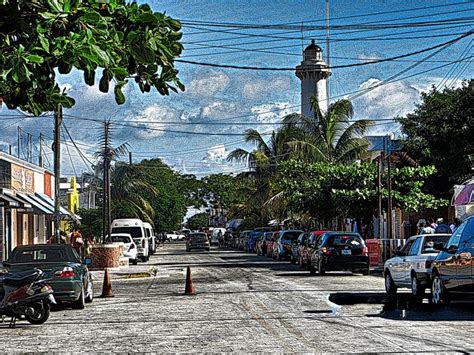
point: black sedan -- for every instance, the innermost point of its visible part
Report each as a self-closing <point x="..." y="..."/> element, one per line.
<point x="340" y="251"/>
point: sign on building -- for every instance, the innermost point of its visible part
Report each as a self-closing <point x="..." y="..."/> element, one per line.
<point x="23" y="179"/>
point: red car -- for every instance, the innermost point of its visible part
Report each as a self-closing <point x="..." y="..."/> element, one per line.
<point x="307" y="247"/>
<point x="271" y="242"/>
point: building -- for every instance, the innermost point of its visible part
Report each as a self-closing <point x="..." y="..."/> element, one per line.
<point x="313" y="73"/>
<point x="26" y="204"/>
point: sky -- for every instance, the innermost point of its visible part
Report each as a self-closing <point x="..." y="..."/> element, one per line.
<point x="229" y="101"/>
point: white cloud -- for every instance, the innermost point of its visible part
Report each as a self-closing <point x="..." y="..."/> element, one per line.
<point x="255" y="88"/>
<point x="386" y="101"/>
<point x="217" y="153"/>
<point x="271" y="112"/>
<point x="368" y="57"/>
<point x="208" y="85"/>
<point x="218" y="109"/>
<point x="150" y="120"/>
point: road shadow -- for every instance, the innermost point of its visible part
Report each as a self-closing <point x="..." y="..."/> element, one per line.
<point x="403" y="307"/>
<point x="307" y="274"/>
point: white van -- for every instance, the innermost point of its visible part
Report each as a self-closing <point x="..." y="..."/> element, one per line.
<point x="151" y="237"/>
<point x="135" y="227"/>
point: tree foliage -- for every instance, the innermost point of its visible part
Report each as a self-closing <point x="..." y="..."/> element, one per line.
<point x="198" y="221"/>
<point x="439" y="132"/>
<point x="114" y="41"/>
<point x="328" y="190"/>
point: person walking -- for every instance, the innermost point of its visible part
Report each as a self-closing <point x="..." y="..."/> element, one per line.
<point x="77" y="242"/>
<point x="428" y="229"/>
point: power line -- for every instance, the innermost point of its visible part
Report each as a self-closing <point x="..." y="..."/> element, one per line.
<point x="230" y="66"/>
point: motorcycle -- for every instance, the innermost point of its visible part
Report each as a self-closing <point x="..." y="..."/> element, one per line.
<point x="25" y="295"/>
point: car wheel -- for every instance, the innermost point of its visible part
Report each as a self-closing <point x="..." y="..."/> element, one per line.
<point x="321" y="268"/>
<point x="417" y="291"/>
<point x="90" y="292"/>
<point x="312" y="270"/>
<point x="292" y="260"/>
<point x="439" y="294"/>
<point x="366" y="271"/>
<point x="134" y="262"/>
<point x="40" y="314"/>
<point x="390" y="286"/>
<point x="81" y="302"/>
<point x="208" y="249"/>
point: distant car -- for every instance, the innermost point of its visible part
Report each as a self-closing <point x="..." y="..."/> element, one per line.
<point x="296" y="248"/>
<point x="242" y="239"/>
<point x="68" y="276"/>
<point x="282" y="248"/>
<point x="198" y="241"/>
<point x="411" y="265"/>
<point x="307" y="247"/>
<point x="340" y="251"/>
<point x="262" y="243"/>
<point x="251" y="242"/>
<point x="453" y="268"/>
<point x="172" y="236"/>
<point x="129" y="248"/>
<point x="271" y="243"/>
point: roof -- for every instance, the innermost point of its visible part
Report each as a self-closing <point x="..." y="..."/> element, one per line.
<point x="313" y="46"/>
<point x="377" y="143"/>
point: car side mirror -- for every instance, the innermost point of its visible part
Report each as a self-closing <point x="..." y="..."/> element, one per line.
<point x="87" y="261"/>
<point x="451" y="250"/>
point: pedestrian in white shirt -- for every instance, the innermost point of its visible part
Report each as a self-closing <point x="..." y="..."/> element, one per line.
<point x="428" y="229"/>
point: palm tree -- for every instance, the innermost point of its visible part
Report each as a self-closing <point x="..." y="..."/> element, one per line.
<point x="332" y="136"/>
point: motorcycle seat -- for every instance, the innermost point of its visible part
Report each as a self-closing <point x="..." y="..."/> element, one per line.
<point x="19" y="279"/>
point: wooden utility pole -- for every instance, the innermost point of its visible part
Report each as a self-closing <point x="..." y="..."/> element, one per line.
<point x="328" y="55"/>
<point x="379" y="194"/>
<point x="28" y="147"/>
<point x="130" y="158"/>
<point x="58" y="118"/>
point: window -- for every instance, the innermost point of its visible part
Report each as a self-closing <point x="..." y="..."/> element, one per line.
<point x="34" y="255"/>
<point x="406" y="248"/>
<point x="467" y="239"/>
<point x="415" y="247"/>
<point x="431" y="241"/>
<point x="455" y="238"/>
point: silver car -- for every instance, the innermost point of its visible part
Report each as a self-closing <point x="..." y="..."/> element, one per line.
<point x="411" y="265"/>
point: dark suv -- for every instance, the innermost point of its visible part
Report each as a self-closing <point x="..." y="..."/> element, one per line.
<point x="340" y="251"/>
<point x="453" y="268"/>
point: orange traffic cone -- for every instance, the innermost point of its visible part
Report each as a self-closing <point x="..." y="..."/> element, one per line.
<point x="189" y="290"/>
<point x="107" y="286"/>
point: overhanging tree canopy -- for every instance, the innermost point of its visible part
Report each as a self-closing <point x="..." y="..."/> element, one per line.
<point x="39" y="39"/>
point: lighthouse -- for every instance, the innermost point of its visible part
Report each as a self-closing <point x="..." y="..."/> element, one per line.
<point x="313" y="73"/>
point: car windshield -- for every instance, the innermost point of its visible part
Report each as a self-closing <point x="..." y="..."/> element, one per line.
<point x="135" y="232"/>
<point x="199" y="237"/>
<point x="46" y="254"/>
<point x="120" y="239"/>
<point x="291" y="235"/>
<point x="343" y="240"/>
<point x="431" y="241"/>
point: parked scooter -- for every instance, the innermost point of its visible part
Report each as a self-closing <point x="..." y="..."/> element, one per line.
<point x="25" y="295"/>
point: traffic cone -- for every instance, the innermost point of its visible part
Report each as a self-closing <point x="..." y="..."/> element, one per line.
<point x="189" y="290"/>
<point x="107" y="286"/>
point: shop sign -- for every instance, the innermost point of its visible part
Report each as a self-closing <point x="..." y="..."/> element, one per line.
<point x="22" y="179"/>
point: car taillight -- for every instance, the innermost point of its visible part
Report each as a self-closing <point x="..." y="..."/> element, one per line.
<point x="132" y="246"/>
<point x="326" y="250"/>
<point x="428" y="263"/>
<point x="65" y="273"/>
<point x="365" y="251"/>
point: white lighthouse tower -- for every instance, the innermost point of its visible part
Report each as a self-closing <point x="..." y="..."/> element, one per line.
<point x="313" y="73"/>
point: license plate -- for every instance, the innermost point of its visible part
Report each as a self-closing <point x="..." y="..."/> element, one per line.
<point x="346" y="252"/>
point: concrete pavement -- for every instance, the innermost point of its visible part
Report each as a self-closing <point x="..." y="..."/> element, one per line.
<point x="243" y="303"/>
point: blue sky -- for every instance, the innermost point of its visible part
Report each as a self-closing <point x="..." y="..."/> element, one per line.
<point x="221" y="95"/>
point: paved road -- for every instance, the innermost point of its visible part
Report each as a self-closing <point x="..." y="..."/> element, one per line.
<point x="243" y="303"/>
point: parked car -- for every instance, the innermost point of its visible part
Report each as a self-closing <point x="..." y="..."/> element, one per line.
<point x="152" y="242"/>
<point x="340" y="251"/>
<point x="136" y="228"/>
<point x="411" y="265"/>
<point x="296" y="247"/>
<point x="307" y="247"/>
<point x="262" y="243"/>
<point x="251" y="242"/>
<point x="271" y="243"/>
<point x="282" y="248"/>
<point x="68" y="276"/>
<point x="242" y="239"/>
<point x="453" y="268"/>
<point x="172" y="237"/>
<point x="129" y="246"/>
<point x="198" y="241"/>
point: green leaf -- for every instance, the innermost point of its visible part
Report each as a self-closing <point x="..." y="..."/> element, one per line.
<point x="33" y="58"/>
<point x="119" y="96"/>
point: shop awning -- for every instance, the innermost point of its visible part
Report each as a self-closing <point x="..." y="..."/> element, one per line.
<point x="36" y="203"/>
<point x="64" y="212"/>
<point x="6" y="201"/>
<point x="14" y="200"/>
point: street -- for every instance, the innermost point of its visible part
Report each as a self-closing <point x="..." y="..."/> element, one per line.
<point x="243" y="303"/>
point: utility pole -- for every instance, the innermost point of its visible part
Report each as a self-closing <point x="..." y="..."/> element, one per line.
<point x="106" y="201"/>
<point x="328" y="56"/>
<point x="130" y="158"/>
<point x="58" y="118"/>
<point x="40" y="158"/>
<point x="19" y="142"/>
<point x="379" y="193"/>
<point x="28" y="147"/>
<point x="389" y="188"/>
